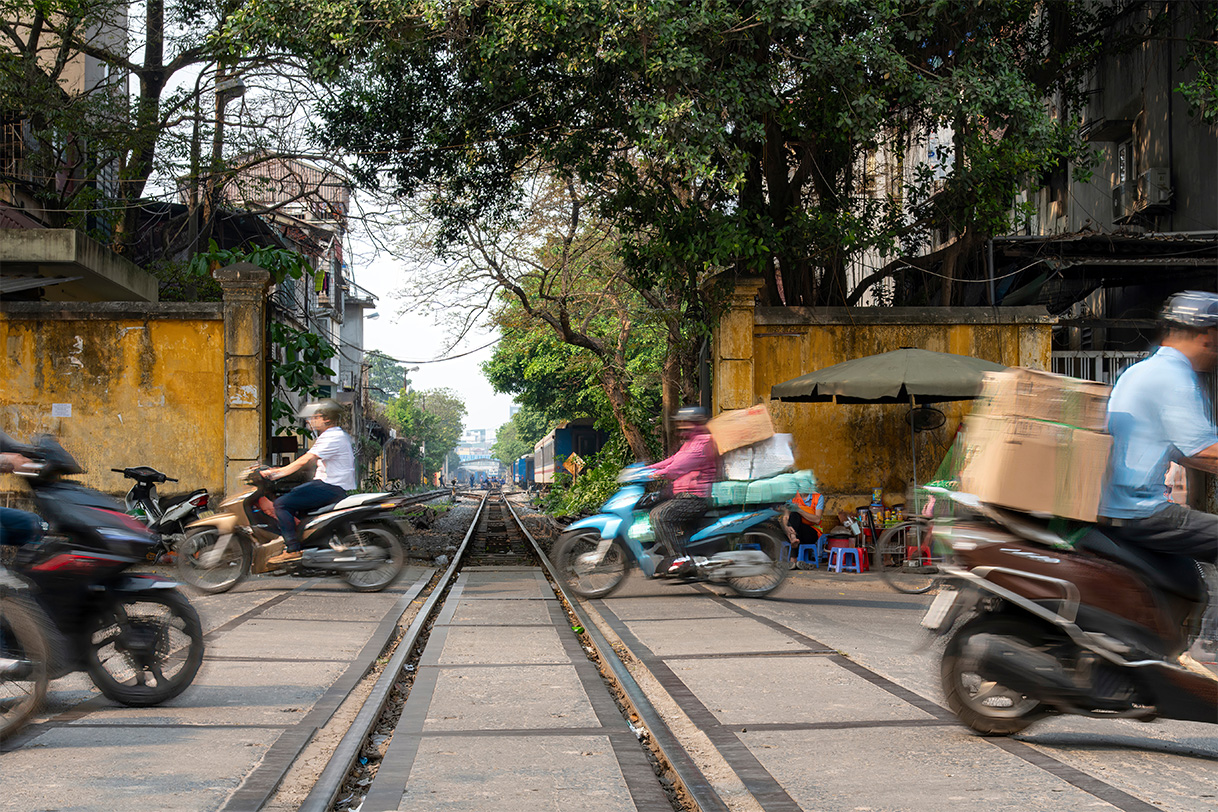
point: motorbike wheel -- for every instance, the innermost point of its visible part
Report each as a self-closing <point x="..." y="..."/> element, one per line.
<point x="915" y="575"/>
<point x="769" y="541"/>
<point x="145" y="648"/>
<point x="209" y="566"/>
<point x="375" y="540"/>
<point x="589" y="581"/>
<point x="988" y="707"/>
<point x="24" y="653"/>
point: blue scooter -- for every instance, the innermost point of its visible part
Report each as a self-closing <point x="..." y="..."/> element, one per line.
<point x="743" y="550"/>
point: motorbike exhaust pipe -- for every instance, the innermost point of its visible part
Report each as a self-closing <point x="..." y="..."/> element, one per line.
<point x="1018" y="666"/>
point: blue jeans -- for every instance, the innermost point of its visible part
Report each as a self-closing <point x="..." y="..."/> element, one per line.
<point x="301" y="500"/>
<point x="17" y="527"/>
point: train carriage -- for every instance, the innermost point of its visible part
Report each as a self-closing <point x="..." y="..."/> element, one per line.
<point x="522" y="471"/>
<point x="576" y="437"/>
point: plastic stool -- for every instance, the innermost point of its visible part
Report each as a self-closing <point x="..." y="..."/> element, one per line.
<point x="748" y="546"/>
<point x="837" y="559"/>
<point x="810" y="554"/>
<point x="922" y="554"/>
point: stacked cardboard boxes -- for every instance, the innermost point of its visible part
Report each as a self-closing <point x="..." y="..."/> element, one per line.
<point x="1036" y="442"/>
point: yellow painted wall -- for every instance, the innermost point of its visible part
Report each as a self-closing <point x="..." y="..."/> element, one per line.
<point x="854" y="448"/>
<point x="142" y="391"/>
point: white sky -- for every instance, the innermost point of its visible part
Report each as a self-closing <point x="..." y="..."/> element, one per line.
<point x="411" y="337"/>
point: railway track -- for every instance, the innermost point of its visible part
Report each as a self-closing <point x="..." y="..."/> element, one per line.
<point x="494" y="627"/>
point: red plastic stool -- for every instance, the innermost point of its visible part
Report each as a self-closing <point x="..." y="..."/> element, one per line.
<point x="922" y="553"/>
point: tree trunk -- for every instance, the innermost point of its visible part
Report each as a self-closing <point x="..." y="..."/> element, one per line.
<point x="615" y="391"/>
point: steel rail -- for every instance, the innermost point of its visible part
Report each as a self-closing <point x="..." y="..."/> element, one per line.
<point x="689" y="776"/>
<point x="330" y="782"/>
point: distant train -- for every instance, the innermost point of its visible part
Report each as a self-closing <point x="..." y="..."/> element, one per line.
<point x="522" y="471"/>
<point x="576" y="437"/>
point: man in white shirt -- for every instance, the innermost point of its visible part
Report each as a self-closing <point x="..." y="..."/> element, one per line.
<point x="335" y="475"/>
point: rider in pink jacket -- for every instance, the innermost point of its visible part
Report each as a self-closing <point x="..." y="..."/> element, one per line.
<point x="692" y="471"/>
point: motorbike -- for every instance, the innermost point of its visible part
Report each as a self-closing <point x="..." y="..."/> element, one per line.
<point x="1035" y="625"/>
<point x="167" y="518"/>
<point x="743" y="550"/>
<point x="135" y="634"/>
<point x="355" y="538"/>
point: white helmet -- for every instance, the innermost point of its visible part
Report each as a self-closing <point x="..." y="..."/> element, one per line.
<point x="1195" y="309"/>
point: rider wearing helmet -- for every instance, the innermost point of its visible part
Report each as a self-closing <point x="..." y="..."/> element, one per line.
<point x="1157" y="415"/>
<point x="692" y="471"/>
<point x="335" y="475"/>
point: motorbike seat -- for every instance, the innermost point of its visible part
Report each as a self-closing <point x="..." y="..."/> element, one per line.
<point x="324" y="508"/>
<point x="1178" y="574"/>
<point x="169" y="501"/>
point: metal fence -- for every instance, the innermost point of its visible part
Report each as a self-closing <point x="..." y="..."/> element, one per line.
<point x="1095" y="365"/>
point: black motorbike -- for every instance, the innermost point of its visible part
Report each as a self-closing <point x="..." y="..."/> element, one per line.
<point x="135" y="634"/>
<point x="167" y="517"/>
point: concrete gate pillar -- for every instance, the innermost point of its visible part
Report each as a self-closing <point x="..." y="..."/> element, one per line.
<point x="245" y="395"/>
<point x="733" y="358"/>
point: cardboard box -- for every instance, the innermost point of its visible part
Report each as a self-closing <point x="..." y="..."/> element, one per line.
<point x="1019" y="392"/>
<point x="767" y="458"/>
<point x="1035" y="466"/>
<point x="741" y="427"/>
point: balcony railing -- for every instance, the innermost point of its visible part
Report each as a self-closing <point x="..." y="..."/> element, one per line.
<point x="1095" y="365"/>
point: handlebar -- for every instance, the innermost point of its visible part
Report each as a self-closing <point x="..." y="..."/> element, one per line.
<point x="124" y="471"/>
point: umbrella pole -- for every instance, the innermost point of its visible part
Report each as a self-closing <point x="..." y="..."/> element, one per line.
<point x="913" y="448"/>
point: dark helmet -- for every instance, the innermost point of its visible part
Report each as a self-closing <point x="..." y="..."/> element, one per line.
<point x="1195" y="309"/>
<point x="326" y="407"/>
<point x="690" y="414"/>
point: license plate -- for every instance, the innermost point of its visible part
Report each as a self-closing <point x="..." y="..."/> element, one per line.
<point x="203" y="514"/>
<point x="939" y="608"/>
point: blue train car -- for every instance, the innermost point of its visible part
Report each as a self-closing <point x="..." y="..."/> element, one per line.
<point x="522" y="471"/>
<point x="576" y="437"/>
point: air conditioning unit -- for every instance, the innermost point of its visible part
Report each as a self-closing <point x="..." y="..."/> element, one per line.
<point x="1122" y="202"/>
<point x="1154" y="190"/>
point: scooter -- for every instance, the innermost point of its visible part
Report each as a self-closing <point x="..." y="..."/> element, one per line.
<point x="135" y="634"/>
<point x="355" y="538"/>
<point x="1035" y="625"/>
<point x="166" y="518"/>
<point x="743" y="550"/>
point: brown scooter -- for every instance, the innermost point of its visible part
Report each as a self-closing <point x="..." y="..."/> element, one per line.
<point x="1036" y="627"/>
<point x="355" y="538"/>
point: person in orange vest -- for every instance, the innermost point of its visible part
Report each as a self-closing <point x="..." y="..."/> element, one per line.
<point x="803" y="523"/>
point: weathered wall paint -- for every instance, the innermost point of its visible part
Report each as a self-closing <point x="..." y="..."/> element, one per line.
<point x="854" y="448"/>
<point x="145" y="388"/>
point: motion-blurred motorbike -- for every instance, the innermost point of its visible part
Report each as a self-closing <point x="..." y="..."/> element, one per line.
<point x="1035" y="625"/>
<point x="743" y="549"/>
<point x="166" y="517"/>
<point x="135" y="634"/>
<point x="356" y="538"/>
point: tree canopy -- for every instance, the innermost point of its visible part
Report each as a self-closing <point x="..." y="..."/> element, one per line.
<point x="725" y="134"/>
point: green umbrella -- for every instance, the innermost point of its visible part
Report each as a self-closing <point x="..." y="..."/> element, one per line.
<point x="902" y="376"/>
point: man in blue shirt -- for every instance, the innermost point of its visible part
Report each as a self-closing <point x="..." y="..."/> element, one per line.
<point x="1157" y="415"/>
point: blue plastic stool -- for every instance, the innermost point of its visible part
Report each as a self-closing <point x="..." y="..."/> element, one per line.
<point x="748" y="546"/>
<point x="837" y="559"/>
<point x="786" y="551"/>
<point x="810" y="553"/>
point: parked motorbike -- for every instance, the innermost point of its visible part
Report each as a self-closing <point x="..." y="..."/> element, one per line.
<point x="135" y="634"/>
<point x="355" y="538"/>
<point x="167" y="518"/>
<point x="1034" y="626"/>
<point x="740" y="549"/>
